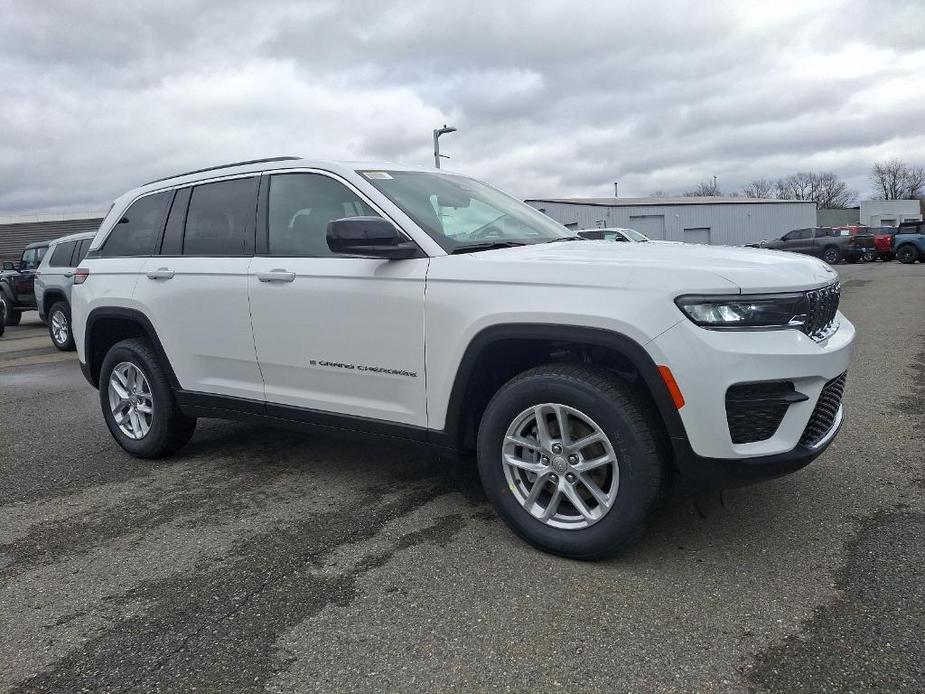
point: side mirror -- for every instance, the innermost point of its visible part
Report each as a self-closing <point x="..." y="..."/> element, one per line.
<point x="371" y="237"/>
<point x="7" y="265"/>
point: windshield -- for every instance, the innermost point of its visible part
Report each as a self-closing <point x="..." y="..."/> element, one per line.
<point x="457" y="211"/>
<point x="634" y="235"/>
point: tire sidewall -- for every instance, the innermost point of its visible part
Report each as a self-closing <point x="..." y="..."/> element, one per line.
<point x="160" y="390"/>
<point x="633" y="495"/>
<point x="834" y="252"/>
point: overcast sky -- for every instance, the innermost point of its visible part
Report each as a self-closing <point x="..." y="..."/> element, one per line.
<point x="550" y="98"/>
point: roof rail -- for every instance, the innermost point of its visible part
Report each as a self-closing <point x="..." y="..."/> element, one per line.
<point x="222" y="166"/>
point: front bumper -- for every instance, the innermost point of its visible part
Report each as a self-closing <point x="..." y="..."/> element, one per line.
<point x="723" y="473"/>
<point x="705" y="363"/>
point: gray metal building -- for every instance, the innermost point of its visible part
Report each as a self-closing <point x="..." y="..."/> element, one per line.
<point x="18" y="231"/>
<point x="713" y="220"/>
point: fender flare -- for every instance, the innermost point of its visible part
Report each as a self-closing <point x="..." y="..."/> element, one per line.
<point x="130" y="315"/>
<point x="598" y="337"/>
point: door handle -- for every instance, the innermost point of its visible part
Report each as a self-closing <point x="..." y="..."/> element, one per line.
<point x="161" y="273"/>
<point x="276" y="275"/>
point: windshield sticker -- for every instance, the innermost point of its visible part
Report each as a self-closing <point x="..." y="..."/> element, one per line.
<point x="376" y="175"/>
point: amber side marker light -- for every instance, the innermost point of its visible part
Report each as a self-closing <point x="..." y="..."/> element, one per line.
<point x="672" y="386"/>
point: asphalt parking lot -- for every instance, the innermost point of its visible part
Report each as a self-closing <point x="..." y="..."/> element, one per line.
<point x="262" y="560"/>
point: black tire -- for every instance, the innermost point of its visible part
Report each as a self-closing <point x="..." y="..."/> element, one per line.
<point x="170" y="429"/>
<point x="907" y="254"/>
<point x="61" y="311"/>
<point x="831" y="255"/>
<point x="631" y="424"/>
<point x="2" y="315"/>
<point x="13" y="316"/>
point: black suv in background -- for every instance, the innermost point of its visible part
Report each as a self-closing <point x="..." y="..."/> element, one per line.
<point x="832" y="245"/>
<point x="17" y="282"/>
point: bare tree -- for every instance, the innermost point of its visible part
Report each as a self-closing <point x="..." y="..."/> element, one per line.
<point x="894" y="180"/>
<point x="825" y="188"/>
<point x="704" y="189"/>
<point x="759" y="188"/>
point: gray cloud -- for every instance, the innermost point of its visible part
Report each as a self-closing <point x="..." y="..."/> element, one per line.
<point x="551" y="98"/>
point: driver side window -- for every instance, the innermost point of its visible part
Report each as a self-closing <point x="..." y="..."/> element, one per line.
<point x="299" y="209"/>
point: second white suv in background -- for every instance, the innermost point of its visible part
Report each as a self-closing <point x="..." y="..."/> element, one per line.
<point x="54" y="279"/>
<point x="421" y="305"/>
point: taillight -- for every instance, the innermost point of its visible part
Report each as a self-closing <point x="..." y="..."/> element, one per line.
<point x="80" y="275"/>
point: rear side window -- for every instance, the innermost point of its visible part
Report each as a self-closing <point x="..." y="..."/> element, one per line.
<point x="220" y="218"/>
<point x="138" y="230"/>
<point x="61" y="256"/>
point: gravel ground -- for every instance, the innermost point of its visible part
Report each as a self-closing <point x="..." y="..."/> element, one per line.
<point x="261" y="560"/>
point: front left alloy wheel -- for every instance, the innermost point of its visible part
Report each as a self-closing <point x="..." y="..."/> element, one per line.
<point x="573" y="459"/>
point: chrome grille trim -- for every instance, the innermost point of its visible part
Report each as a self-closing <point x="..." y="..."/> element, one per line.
<point x="821" y="320"/>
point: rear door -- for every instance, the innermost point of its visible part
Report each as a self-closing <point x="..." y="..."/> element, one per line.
<point x="338" y="334"/>
<point x="58" y="268"/>
<point x="195" y="289"/>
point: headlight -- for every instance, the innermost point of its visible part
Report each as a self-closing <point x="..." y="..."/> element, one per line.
<point x="744" y="311"/>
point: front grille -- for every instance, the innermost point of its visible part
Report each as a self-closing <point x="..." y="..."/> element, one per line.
<point x="823" y="417"/>
<point x="754" y="411"/>
<point x="823" y="305"/>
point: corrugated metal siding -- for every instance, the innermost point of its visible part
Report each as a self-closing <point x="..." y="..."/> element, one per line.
<point x="730" y="224"/>
<point x="15" y="237"/>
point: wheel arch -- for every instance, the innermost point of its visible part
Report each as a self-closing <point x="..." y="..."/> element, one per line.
<point x="523" y="345"/>
<point x="105" y="326"/>
<point x="50" y="297"/>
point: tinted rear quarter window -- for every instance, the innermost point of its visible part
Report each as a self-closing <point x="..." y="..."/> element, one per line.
<point x="220" y="218"/>
<point x="61" y="255"/>
<point x="138" y="230"/>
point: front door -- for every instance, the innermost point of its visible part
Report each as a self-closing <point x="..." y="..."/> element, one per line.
<point x="338" y="334"/>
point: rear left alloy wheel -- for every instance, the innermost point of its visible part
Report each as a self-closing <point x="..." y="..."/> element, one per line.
<point x="571" y="458"/>
<point x="138" y="404"/>
<point x="59" y="327"/>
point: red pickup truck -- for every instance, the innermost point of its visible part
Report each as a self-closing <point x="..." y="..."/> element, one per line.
<point x="883" y="241"/>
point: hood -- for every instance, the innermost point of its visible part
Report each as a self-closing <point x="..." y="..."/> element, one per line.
<point x="688" y="267"/>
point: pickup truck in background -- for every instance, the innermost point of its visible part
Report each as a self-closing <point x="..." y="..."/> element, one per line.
<point x="832" y="245"/>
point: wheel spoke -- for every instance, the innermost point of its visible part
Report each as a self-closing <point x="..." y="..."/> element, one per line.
<point x="542" y="429"/>
<point x="553" y="506"/>
<point x="525" y="443"/>
<point x="529" y="466"/>
<point x="120" y="391"/>
<point x="586" y="441"/>
<point x="535" y="490"/>
<point x="142" y="407"/>
<point x="121" y="377"/>
<point x="577" y="502"/>
<point x="562" y="419"/>
<point x="596" y="492"/>
<point x="586" y="465"/>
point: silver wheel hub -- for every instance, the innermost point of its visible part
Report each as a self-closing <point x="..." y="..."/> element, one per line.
<point x="560" y="466"/>
<point x="59" y="328"/>
<point x="131" y="400"/>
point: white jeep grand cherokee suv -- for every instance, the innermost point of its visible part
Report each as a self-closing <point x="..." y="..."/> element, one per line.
<point x="427" y="306"/>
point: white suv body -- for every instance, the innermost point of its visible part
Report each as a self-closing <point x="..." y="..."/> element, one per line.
<point x="54" y="279"/>
<point x="233" y="278"/>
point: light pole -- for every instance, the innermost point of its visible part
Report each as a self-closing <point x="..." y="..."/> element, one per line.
<point x="437" y="133"/>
